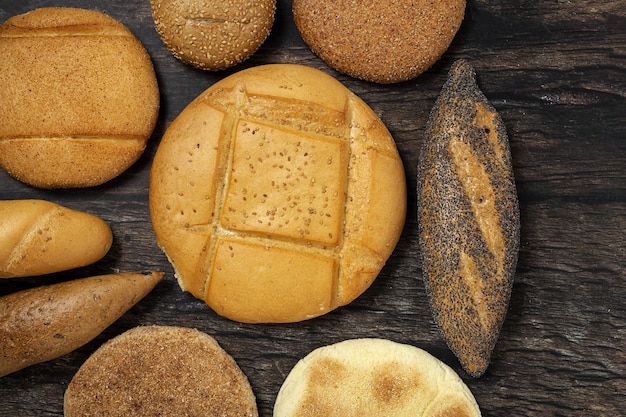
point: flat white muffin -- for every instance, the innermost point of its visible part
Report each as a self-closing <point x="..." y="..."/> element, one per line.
<point x="373" y="377"/>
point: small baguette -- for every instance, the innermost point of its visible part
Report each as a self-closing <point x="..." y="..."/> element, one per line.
<point x="468" y="218"/>
<point x="43" y="323"/>
<point x="40" y="237"/>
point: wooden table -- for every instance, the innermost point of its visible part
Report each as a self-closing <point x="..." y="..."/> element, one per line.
<point x="556" y="72"/>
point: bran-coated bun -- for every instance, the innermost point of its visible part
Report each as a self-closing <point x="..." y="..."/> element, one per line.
<point x="160" y="371"/>
<point x="385" y="41"/>
<point x="373" y="377"/>
<point x="213" y="34"/>
<point x="277" y="194"/>
<point x="84" y="110"/>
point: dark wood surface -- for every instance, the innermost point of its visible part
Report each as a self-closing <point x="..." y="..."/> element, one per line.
<point x="556" y="72"/>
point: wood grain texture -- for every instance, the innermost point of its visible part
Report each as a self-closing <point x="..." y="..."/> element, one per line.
<point x="556" y="73"/>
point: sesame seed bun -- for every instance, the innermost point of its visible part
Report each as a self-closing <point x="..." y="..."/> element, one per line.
<point x="373" y="377"/>
<point x="212" y="34"/>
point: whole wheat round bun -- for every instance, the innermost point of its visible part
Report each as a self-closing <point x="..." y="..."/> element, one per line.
<point x="84" y="110"/>
<point x="277" y="194"/>
<point x="380" y="41"/>
<point x="373" y="377"/>
<point x="213" y="34"/>
<point x="160" y="371"/>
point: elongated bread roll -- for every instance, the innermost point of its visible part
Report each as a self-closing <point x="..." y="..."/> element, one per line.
<point x="40" y="237"/>
<point x="468" y="216"/>
<point x="46" y="322"/>
<point x="373" y="377"/>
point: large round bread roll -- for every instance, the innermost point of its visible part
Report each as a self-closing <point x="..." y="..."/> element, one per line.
<point x="373" y="377"/>
<point x="160" y="371"/>
<point x="78" y="97"/>
<point x="277" y="194"/>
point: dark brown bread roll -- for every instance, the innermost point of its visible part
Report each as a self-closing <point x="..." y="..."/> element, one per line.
<point x="43" y="323"/>
<point x="384" y="41"/>
<point x="468" y="218"/>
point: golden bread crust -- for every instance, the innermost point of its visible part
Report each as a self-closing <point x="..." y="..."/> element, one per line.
<point x="84" y="111"/>
<point x="468" y="215"/>
<point x="40" y="237"/>
<point x="213" y="35"/>
<point x="373" y="377"/>
<point x="383" y="41"/>
<point x="277" y="194"/>
<point x="160" y="370"/>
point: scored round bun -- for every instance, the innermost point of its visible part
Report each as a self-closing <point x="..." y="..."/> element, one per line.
<point x="160" y="371"/>
<point x="213" y="34"/>
<point x="83" y="111"/>
<point x="373" y="377"/>
<point x="383" y="41"/>
<point x="277" y="194"/>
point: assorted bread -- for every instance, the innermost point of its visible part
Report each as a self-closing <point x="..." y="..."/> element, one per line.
<point x="213" y="34"/>
<point x="83" y="112"/>
<point x="277" y="194"/>
<point x="373" y="377"/>
<point x="386" y="41"/>
<point x="39" y="237"/>
<point x="468" y="216"/>
<point x="160" y="371"/>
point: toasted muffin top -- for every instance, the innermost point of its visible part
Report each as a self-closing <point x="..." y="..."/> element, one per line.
<point x="160" y="370"/>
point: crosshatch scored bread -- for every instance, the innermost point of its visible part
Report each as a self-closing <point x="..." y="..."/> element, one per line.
<point x="84" y="110"/>
<point x="277" y="194"/>
<point x="373" y="377"/>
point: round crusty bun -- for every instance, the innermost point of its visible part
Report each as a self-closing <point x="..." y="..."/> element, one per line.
<point x="373" y="377"/>
<point x="277" y="194"/>
<point x="160" y="371"/>
<point x="386" y="41"/>
<point x="84" y="110"/>
<point x="213" y="34"/>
